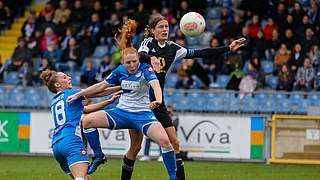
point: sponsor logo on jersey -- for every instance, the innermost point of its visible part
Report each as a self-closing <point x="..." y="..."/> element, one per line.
<point x="130" y="85"/>
<point x="83" y="152"/>
<point x="150" y="69"/>
<point x="138" y="74"/>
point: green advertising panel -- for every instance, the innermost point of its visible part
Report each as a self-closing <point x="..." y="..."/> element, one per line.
<point x="9" y="122"/>
<point x="14" y="132"/>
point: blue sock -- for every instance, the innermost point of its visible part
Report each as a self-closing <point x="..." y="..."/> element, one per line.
<point x="92" y="136"/>
<point x="169" y="159"/>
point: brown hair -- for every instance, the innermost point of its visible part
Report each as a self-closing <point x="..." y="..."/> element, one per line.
<point x="152" y="24"/>
<point x="49" y="77"/>
<point x="127" y="33"/>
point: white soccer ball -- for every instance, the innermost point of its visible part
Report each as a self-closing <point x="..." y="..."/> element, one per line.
<point x="192" y="24"/>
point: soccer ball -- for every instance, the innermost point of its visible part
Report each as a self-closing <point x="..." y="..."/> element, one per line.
<point x="192" y="24"/>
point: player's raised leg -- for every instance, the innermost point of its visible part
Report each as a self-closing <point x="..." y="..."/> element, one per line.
<point x="89" y="122"/>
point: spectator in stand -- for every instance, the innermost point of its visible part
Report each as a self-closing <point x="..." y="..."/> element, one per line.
<point x="78" y="16"/>
<point x="314" y="55"/>
<point x="95" y="29"/>
<point x="88" y="73"/>
<point x="110" y="28"/>
<point x="286" y="78"/>
<point x="44" y="65"/>
<point x="70" y="32"/>
<point x="236" y="26"/>
<point x="53" y="53"/>
<point x="305" y="76"/>
<point x="105" y="68"/>
<point x="118" y="9"/>
<point x="253" y="79"/>
<point x="281" y="13"/>
<point x="288" y="24"/>
<point x="141" y="17"/>
<point x="289" y="39"/>
<point x="259" y="45"/>
<point x="235" y="78"/>
<point x="63" y="10"/>
<point x="247" y="49"/>
<point x="213" y="64"/>
<point x="48" y="38"/>
<point x="22" y="52"/>
<point x="254" y="26"/>
<point x="48" y="10"/>
<point x="47" y="23"/>
<point x="4" y="16"/>
<point x="297" y="14"/>
<point x="30" y="25"/>
<point x="273" y="45"/>
<point x="182" y="10"/>
<point x="282" y="56"/>
<point x="297" y="57"/>
<point x="184" y="78"/>
<point x="34" y="43"/>
<point x="301" y="29"/>
<point x="72" y="55"/>
<point x="99" y="10"/>
<point x="62" y="27"/>
<point x="86" y="44"/>
<point x="314" y="12"/>
<point x="269" y="28"/>
<point x="309" y="39"/>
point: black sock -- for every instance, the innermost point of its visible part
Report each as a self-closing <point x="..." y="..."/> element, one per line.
<point x="180" y="168"/>
<point x="127" y="168"/>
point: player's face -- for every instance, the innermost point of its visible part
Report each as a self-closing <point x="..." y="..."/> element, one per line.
<point x="131" y="62"/>
<point x="63" y="81"/>
<point x="161" y="31"/>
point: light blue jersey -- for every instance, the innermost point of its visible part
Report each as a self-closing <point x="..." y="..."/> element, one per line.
<point x="66" y="116"/>
<point x="135" y="97"/>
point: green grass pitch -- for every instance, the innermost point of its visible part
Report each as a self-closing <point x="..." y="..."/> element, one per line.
<point x="46" y="168"/>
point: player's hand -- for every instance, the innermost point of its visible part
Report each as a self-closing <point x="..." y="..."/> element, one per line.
<point x="155" y="104"/>
<point x="155" y="62"/>
<point x="236" y="44"/>
<point x="116" y="95"/>
<point x="72" y="98"/>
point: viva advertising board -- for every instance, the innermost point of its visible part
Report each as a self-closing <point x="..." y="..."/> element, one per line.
<point x="214" y="136"/>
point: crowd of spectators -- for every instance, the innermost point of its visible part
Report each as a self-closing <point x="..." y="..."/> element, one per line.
<point x="66" y="33"/>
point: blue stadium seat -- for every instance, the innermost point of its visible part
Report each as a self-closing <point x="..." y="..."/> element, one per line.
<point x="171" y="80"/>
<point x="272" y="81"/>
<point x="223" y="80"/>
<point x="3" y="97"/>
<point x="296" y="97"/>
<point x="267" y="66"/>
<point x="75" y="77"/>
<point x="283" y="106"/>
<point x="12" y="78"/>
<point x="314" y="99"/>
<point x="245" y="66"/>
<point x="213" y="13"/>
<point x="192" y="41"/>
<point x="101" y="51"/>
<point x="214" y="104"/>
<point x="301" y="107"/>
<point x="33" y="98"/>
<point x="16" y="97"/>
<point x="249" y="104"/>
<point x="266" y="106"/>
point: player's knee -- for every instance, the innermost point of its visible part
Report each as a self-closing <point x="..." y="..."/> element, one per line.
<point x="135" y="148"/>
<point x="87" y="122"/>
<point x="175" y="143"/>
<point x="164" y="142"/>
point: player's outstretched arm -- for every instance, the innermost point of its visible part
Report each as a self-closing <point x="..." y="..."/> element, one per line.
<point x="94" y="89"/>
<point x="100" y="105"/>
<point x="157" y="94"/>
<point x="208" y="52"/>
<point x="107" y="91"/>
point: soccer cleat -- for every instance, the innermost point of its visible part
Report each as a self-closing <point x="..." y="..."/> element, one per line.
<point x="96" y="162"/>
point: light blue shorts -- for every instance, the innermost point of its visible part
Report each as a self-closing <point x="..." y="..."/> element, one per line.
<point x="121" y="119"/>
<point x="70" y="151"/>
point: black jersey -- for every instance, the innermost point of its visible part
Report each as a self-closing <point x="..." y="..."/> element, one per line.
<point x="166" y="53"/>
<point x="169" y="52"/>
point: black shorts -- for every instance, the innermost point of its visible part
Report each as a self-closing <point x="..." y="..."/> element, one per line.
<point x="163" y="116"/>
